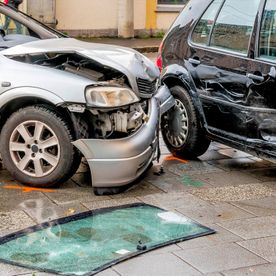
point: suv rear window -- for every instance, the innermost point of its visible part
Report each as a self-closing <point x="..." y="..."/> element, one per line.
<point x="268" y="31"/>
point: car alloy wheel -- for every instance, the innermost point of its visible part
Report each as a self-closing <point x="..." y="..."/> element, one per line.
<point x="34" y="148"/>
<point x="176" y="124"/>
<point x="181" y="129"/>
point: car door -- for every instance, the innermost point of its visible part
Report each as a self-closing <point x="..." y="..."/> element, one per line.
<point x="220" y="49"/>
<point x="262" y="92"/>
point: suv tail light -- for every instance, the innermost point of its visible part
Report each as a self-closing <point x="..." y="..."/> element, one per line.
<point x="159" y="61"/>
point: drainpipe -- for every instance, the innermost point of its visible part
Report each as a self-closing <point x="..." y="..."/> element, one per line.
<point x="151" y="17"/>
<point x="126" y="18"/>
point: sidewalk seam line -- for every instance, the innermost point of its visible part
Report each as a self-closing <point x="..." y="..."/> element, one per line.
<point x="186" y="262"/>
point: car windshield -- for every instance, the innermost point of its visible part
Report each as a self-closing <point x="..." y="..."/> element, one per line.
<point x="17" y="14"/>
<point x="34" y="21"/>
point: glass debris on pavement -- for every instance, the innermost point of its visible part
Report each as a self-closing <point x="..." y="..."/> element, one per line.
<point x="87" y="243"/>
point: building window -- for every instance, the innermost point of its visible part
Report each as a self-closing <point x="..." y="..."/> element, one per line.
<point x="172" y="2"/>
<point x="171" y="5"/>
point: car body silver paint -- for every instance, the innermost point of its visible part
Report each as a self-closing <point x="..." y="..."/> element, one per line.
<point x="113" y="162"/>
<point x="29" y="92"/>
<point x="24" y="77"/>
<point x="117" y="162"/>
<point x="127" y="61"/>
<point x="165" y="99"/>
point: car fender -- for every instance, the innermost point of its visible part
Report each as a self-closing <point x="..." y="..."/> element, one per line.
<point x="32" y="92"/>
<point x="181" y="75"/>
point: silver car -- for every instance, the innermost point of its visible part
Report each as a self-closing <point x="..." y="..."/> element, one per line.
<point x="61" y="98"/>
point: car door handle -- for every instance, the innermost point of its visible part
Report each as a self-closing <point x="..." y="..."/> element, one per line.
<point x="193" y="61"/>
<point x="255" y="77"/>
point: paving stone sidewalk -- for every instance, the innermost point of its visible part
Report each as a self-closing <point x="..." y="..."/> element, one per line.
<point x="225" y="189"/>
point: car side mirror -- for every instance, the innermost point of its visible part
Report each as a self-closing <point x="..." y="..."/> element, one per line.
<point x="272" y="73"/>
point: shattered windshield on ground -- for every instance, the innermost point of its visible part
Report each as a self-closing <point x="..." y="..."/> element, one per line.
<point x="87" y="243"/>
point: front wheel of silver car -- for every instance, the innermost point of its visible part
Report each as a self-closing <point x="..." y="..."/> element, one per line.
<point x="181" y="129"/>
<point x="36" y="147"/>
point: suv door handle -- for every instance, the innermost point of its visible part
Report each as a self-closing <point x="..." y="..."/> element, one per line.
<point x="255" y="77"/>
<point x="194" y="62"/>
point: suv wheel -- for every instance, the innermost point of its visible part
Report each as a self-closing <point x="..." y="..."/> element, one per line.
<point x="181" y="128"/>
<point x="36" y="147"/>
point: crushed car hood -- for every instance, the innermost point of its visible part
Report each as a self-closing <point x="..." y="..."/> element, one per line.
<point x="130" y="62"/>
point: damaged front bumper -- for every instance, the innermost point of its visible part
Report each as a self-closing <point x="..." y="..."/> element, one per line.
<point x="117" y="162"/>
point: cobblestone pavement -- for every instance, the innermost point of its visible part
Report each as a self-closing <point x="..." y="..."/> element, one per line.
<point x="225" y="189"/>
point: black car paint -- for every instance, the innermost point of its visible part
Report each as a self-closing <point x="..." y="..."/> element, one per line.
<point x="245" y="119"/>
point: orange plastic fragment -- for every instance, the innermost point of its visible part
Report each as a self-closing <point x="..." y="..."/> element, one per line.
<point x="173" y="158"/>
<point x="29" y="189"/>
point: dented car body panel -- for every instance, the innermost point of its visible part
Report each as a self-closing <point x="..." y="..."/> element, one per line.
<point x="124" y="159"/>
<point x="127" y="61"/>
<point x="228" y="67"/>
<point x="107" y="95"/>
<point x="36" y="75"/>
<point x="118" y="162"/>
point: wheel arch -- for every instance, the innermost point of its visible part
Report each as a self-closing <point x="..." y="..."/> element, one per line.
<point x="20" y="102"/>
<point x="181" y="127"/>
<point x="176" y="75"/>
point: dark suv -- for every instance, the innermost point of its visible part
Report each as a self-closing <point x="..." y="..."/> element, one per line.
<point x="219" y="59"/>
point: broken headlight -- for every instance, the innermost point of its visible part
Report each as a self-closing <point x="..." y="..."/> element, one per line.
<point x="108" y="97"/>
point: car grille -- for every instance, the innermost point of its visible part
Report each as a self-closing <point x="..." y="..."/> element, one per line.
<point x="146" y="86"/>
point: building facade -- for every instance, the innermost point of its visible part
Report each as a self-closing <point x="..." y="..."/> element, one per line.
<point x="106" y="17"/>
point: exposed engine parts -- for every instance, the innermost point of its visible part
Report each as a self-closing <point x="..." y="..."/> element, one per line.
<point x="116" y="122"/>
<point x="76" y="64"/>
<point x="120" y="121"/>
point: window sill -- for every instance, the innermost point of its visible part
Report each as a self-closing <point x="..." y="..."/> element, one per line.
<point x="169" y="8"/>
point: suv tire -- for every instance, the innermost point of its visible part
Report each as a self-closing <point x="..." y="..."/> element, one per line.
<point x="25" y="152"/>
<point x="181" y="129"/>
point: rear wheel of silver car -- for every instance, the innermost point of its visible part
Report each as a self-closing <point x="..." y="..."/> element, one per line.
<point x="36" y="147"/>
<point x="181" y="129"/>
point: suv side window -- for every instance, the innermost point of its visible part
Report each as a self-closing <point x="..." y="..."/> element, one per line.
<point x="204" y="26"/>
<point x="234" y="25"/>
<point x="268" y="32"/>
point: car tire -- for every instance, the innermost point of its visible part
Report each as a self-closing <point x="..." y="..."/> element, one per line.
<point x="36" y="148"/>
<point x="181" y="129"/>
